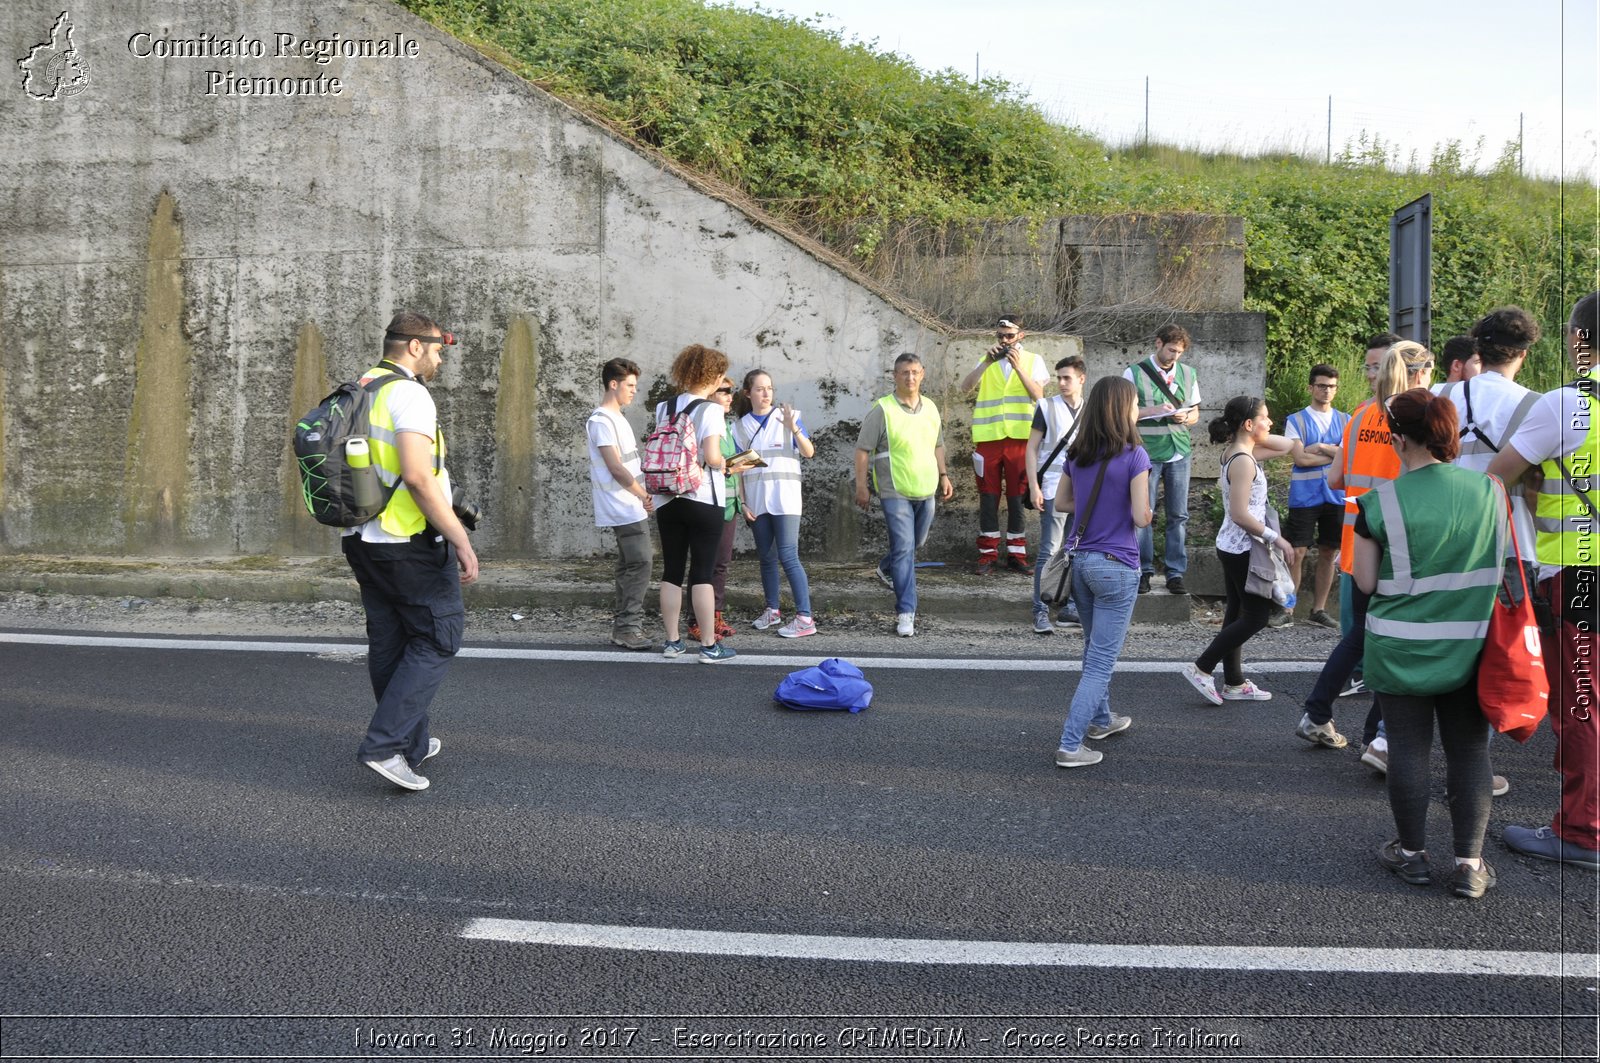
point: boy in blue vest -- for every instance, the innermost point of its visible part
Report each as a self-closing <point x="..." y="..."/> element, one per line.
<point x="1169" y="402"/>
<point x="1316" y="511"/>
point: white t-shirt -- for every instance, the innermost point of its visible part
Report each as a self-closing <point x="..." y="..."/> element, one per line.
<point x="1321" y="420"/>
<point x="1556" y="427"/>
<point x="412" y="410"/>
<point x="1495" y="402"/>
<point x="1059" y="419"/>
<point x="614" y="505"/>
<point x="709" y="425"/>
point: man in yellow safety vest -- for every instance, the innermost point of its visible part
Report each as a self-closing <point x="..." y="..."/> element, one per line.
<point x="1010" y="382"/>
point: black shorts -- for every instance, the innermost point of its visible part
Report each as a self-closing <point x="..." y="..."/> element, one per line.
<point x="1327" y="520"/>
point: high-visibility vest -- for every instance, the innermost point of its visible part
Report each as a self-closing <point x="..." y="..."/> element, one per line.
<point x="1004" y="409"/>
<point x="1309" y="486"/>
<point x="1564" y="530"/>
<point x="1369" y="460"/>
<point x="1443" y="531"/>
<point x="776" y="488"/>
<point x="1163" y="442"/>
<point x="911" y="441"/>
<point x="401" y="516"/>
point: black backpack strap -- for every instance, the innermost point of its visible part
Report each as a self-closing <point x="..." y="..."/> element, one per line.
<point x="1155" y="378"/>
<point x="1088" y="508"/>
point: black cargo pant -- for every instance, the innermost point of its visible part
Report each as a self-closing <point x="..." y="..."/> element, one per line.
<point x="412" y="595"/>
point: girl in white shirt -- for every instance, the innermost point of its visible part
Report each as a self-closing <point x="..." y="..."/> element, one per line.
<point x="772" y="500"/>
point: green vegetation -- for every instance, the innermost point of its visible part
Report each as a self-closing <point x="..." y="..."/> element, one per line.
<point x="842" y="140"/>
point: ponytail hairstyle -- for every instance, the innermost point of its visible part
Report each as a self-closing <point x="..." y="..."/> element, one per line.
<point x="1503" y="334"/>
<point x="1399" y="363"/>
<point x="1239" y="409"/>
<point x="1110" y="425"/>
<point x="741" y="398"/>
<point x="1426" y="419"/>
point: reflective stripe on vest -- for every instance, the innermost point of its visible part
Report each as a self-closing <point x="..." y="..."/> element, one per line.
<point x="1004" y="409"/>
<point x="913" y="466"/>
<point x="401" y="516"/>
<point x="1163" y="441"/>
<point x="1424" y="631"/>
<point x="1309" y="486"/>
<point x="1565" y="530"/>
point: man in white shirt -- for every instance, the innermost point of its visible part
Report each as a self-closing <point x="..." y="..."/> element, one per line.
<point x="620" y="501"/>
<point x="1055" y="423"/>
<point x="411" y="560"/>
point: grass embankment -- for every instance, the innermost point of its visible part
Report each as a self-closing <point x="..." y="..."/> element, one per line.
<point x="842" y="141"/>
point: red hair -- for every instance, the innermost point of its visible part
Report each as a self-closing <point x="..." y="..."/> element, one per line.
<point x="1427" y="419"/>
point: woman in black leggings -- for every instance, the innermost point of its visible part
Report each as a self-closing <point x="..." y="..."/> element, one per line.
<point x="1246" y="427"/>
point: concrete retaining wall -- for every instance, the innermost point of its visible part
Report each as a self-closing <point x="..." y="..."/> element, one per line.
<point x="186" y="268"/>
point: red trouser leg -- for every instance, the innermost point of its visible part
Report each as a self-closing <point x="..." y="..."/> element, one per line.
<point x="1570" y="663"/>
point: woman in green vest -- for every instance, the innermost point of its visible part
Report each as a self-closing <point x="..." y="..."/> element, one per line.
<point x="1428" y="548"/>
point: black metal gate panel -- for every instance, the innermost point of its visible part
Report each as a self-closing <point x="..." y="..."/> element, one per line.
<point x="1411" y="270"/>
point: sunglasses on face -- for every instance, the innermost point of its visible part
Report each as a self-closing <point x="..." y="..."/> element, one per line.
<point x="446" y="338"/>
<point x="724" y="391"/>
<point x="1006" y="335"/>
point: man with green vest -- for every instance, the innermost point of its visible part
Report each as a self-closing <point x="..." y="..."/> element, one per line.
<point x="1169" y="402"/>
<point x="1010" y="382"/>
<point x="1561" y="437"/>
<point x="900" y="457"/>
<point x="412" y="559"/>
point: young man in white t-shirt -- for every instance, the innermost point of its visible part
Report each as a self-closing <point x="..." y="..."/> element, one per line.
<point x="1055" y="420"/>
<point x="620" y="501"/>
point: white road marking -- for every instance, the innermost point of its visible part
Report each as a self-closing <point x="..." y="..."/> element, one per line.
<point x="513" y="653"/>
<point x="1038" y="954"/>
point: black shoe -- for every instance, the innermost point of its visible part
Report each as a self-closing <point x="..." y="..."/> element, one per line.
<point x="1175" y="585"/>
<point x="1412" y="869"/>
<point x="1144" y="583"/>
<point x="1472" y="882"/>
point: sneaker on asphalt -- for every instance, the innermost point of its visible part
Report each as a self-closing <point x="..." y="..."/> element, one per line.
<point x="672" y="649"/>
<point x="798" y="628"/>
<point x="1019" y="564"/>
<point x="1081" y="757"/>
<point x="1473" y="882"/>
<point x="905" y="624"/>
<point x="1412" y="869"/>
<point x="768" y="618"/>
<point x="1202" y="682"/>
<point x="1280" y="618"/>
<point x="1499" y="786"/>
<point x="397" y="771"/>
<point x="1321" y="618"/>
<point x="716" y="653"/>
<point x="1069" y="616"/>
<point x="1175" y="585"/>
<point x="693" y="634"/>
<point x="1041" y="622"/>
<point x="884" y="577"/>
<point x="1545" y="844"/>
<point x="1355" y="686"/>
<point x="1144" y="583"/>
<point x="1117" y="725"/>
<point x="434" y="745"/>
<point x="1246" y="691"/>
<point x="1320" y="734"/>
<point x="1376" y="756"/>
<point x="631" y="640"/>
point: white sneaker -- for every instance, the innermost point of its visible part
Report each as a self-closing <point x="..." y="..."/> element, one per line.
<point x="798" y="628"/>
<point x="768" y="618"/>
<point x="434" y="745"/>
<point x="905" y="624"/>
<point x="397" y="771"/>
<point x="1246" y="691"/>
<point x="1376" y="755"/>
<point x="1202" y="682"/>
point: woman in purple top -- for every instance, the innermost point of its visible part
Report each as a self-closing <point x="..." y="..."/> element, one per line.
<point x="1105" y="555"/>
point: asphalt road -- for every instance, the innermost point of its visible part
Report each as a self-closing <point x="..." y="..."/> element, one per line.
<point x="195" y="865"/>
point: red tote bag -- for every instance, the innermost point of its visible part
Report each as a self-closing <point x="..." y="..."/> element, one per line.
<point x="1513" y="690"/>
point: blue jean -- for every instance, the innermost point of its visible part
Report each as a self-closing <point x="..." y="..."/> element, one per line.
<point x="1052" y="526"/>
<point x="1175" y="475"/>
<point x="908" y="521"/>
<point x="778" y="543"/>
<point x="1105" y="590"/>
